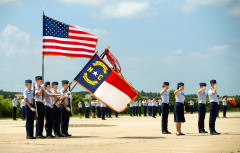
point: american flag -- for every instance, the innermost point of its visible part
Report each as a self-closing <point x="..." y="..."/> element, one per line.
<point x="60" y="39"/>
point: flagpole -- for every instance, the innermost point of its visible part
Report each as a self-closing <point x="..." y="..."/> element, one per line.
<point x="43" y="59"/>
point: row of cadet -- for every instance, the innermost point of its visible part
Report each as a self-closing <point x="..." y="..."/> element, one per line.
<point x="179" y="107"/>
<point x="45" y="101"/>
<point x="102" y="110"/>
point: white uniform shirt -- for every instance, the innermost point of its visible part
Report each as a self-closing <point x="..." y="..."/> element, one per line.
<point x="37" y="89"/>
<point x="154" y="103"/>
<point x="165" y="97"/>
<point x="224" y="102"/>
<point x="212" y="97"/>
<point x="92" y="103"/>
<point x="159" y="102"/>
<point x="29" y="95"/>
<point x="79" y="105"/>
<point x="87" y="104"/>
<point x="15" y="103"/>
<point x="139" y="104"/>
<point x="144" y="103"/>
<point x="67" y="99"/>
<point x="150" y="103"/>
<point x="202" y="98"/>
<point x="131" y="104"/>
<point x="180" y="97"/>
<point x="191" y="103"/>
<point x="22" y="103"/>
<point x="136" y="104"/>
<point x="103" y="105"/>
<point x="98" y="103"/>
<point x="48" y="100"/>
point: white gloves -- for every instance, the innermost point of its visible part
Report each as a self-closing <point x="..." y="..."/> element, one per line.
<point x="68" y="109"/>
<point x="33" y="109"/>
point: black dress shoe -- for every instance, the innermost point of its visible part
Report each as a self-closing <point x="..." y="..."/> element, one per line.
<point x="69" y="135"/>
<point x="50" y="136"/>
<point x="58" y="135"/>
<point x="182" y="134"/>
<point x="29" y="137"/>
<point x="214" y="133"/>
<point x="64" y="135"/>
<point x="41" y="137"/>
<point x="166" y="132"/>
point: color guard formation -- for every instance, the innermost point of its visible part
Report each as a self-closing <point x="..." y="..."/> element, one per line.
<point x="45" y="101"/>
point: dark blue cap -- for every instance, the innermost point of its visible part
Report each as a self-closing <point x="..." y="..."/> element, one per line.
<point x="54" y="83"/>
<point x="217" y="95"/>
<point x="94" y="98"/>
<point x="38" y="78"/>
<point x="213" y="81"/>
<point x="203" y="84"/>
<point x="166" y="83"/>
<point x="47" y="83"/>
<point x="224" y="96"/>
<point x="180" y="84"/>
<point x="28" y="81"/>
<point x="86" y="100"/>
<point x="65" y="81"/>
<point x="15" y="96"/>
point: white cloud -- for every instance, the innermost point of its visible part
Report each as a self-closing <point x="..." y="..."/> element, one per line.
<point x="11" y="1"/>
<point x="223" y="49"/>
<point x="87" y="2"/>
<point x="97" y="32"/>
<point x="235" y="11"/>
<point x="126" y="9"/>
<point x="178" y="52"/>
<point x="13" y="40"/>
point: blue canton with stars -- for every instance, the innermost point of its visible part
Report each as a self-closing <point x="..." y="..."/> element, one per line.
<point x="54" y="28"/>
<point x="93" y="73"/>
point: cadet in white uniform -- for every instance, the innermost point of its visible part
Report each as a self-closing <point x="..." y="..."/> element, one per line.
<point x="14" y="101"/>
<point x="191" y="102"/>
<point x="179" y="108"/>
<point x="103" y="107"/>
<point x="65" y="108"/>
<point x="213" y="107"/>
<point x="154" y="107"/>
<point x="140" y="108"/>
<point x="87" y="105"/>
<point x="28" y="98"/>
<point x="201" y="107"/>
<point x="56" y="110"/>
<point x="144" y="102"/>
<point x="131" y="108"/>
<point x="160" y="107"/>
<point x="224" y="105"/>
<point x="165" y="107"/>
<point x="23" y="109"/>
<point x="39" y="92"/>
<point x="93" y="105"/>
<point x="136" y="108"/>
<point x="150" y="107"/>
<point x="98" y="109"/>
<point x="79" y="109"/>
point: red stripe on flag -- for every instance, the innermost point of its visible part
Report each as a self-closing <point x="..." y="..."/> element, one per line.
<point x="119" y="83"/>
<point x="68" y="42"/>
<point x="66" y="54"/>
<point x="79" y="32"/>
<point x="68" y="48"/>
<point x="82" y="38"/>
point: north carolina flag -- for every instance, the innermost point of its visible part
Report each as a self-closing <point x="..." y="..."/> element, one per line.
<point x="105" y="84"/>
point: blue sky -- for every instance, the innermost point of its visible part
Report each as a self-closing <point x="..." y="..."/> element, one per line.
<point x="154" y="40"/>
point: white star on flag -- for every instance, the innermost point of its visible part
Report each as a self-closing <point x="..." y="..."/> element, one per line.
<point x="95" y="73"/>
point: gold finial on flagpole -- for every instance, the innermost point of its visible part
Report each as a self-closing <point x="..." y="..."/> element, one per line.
<point x="43" y="12"/>
<point x="108" y="47"/>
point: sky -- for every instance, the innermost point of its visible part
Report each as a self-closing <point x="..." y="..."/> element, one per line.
<point x="154" y="41"/>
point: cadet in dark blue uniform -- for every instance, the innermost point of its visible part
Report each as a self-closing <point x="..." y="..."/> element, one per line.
<point x="213" y="107"/>
<point x="179" y="108"/>
<point x="201" y="107"/>
<point x="56" y="111"/>
<point x="28" y="98"/>
<point x="165" y="107"/>
<point x="65" y="108"/>
<point x="14" y="101"/>
<point x="39" y="87"/>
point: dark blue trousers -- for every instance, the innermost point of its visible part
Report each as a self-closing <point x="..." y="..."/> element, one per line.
<point x="191" y="109"/>
<point x="136" y="110"/>
<point x="98" y="111"/>
<point x="150" y="110"/>
<point x="116" y="114"/>
<point x="131" y="111"/>
<point x="165" y="112"/>
<point x="23" y="113"/>
<point x="64" y="120"/>
<point x="154" y="109"/>
<point x="40" y="118"/>
<point x="145" y="110"/>
<point x="103" y="112"/>
<point x="14" y="113"/>
<point x="224" y="110"/>
<point x="109" y="112"/>
<point x="29" y="121"/>
<point x="201" y="116"/>
<point x="139" y="110"/>
<point x="213" y="107"/>
<point x="160" y="110"/>
<point x="49" y="120"/>
<point x="86" y="112"/>
<point x="56" y="120"/>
